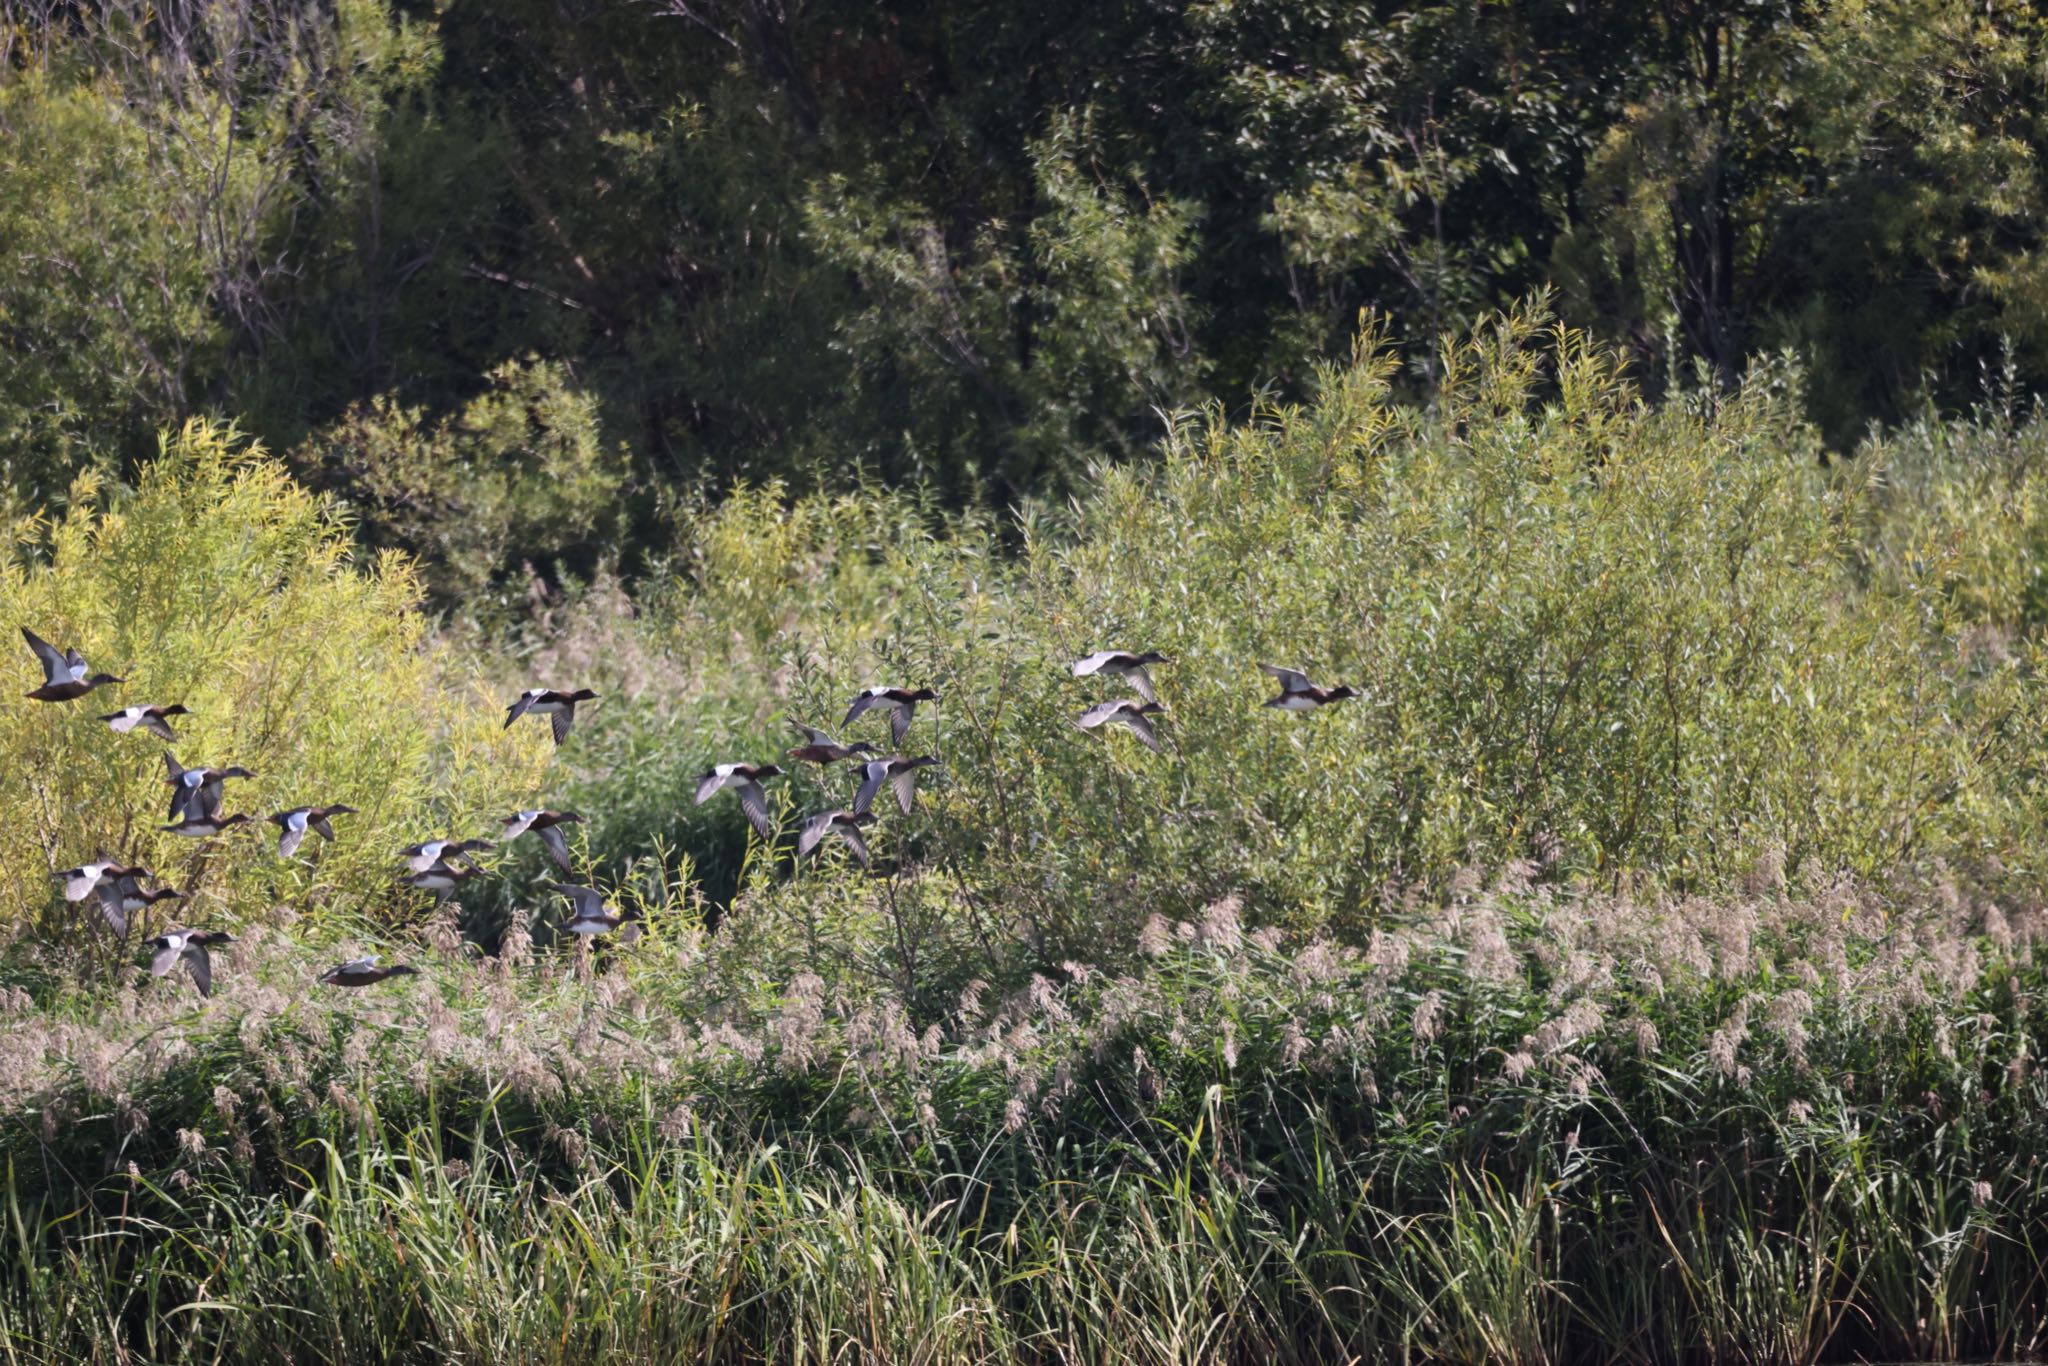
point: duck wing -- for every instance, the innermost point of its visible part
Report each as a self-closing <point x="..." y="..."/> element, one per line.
<point x="862" y="705"/>
<point x="1142" y="681"/>
<point x="288" y="843"/>
<point x="899" y="721"/>
<point x="905" y="783"/>
<point x="1093" y="663"/>
<point x="56" y="668"/>
<point x="1100" y="713"/>
<point x="1141" y="727"/>
<point x="113" y="908"/>
<point x="562" y="720"/>
<point x="814" y="830"/>
<point x="584" y="902"/>
<point x="199" y="963"/>
<point x="754" y="802"/>
<point x="708" y="785"/>
<point x="166" y="958"/>
<point x="851" y="834"/>
<point x="155" y="725"/>
<point x="812" y="737"/>
<point x="872" y="775"/>
<point x="518" y="709"/>
<point x="1291" y="680"/>
<point x="557" y="846"/>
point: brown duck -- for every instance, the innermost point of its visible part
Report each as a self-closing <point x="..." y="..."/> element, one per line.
<point x="64" y="675"/>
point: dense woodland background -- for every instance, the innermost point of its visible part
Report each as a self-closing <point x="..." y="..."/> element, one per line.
<point x="515" y="277"/>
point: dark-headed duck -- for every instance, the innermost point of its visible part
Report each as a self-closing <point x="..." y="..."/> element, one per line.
<point x="560" y="707"/>
<point x="1298" y="694"/>
<point x="294" y="824"/>
<point x="123" y="896"/>
<point x="152" y="719"/>
<point x="64" y="675"/>
<point x="845" y="824"/>
<point x="547" y="825"/>
<point x="896" y="770"/>
<point x="820" y="748"/>
<point x="196" y="792"/>
<point x="745" y="782"/>
<point x="1125" y="664"/>
<point x="364" y="972"/>
<point x="900" y="703"/>
<point x="188" y="947"/>
<point x="1126" y="713"/>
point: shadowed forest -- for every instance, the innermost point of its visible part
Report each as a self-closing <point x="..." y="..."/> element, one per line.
<point x="1626" y="413"/>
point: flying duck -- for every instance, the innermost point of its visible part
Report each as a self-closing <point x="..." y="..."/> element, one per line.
<point x="1126" y="665"/>
<point x="820" y="748"/>
<point x="196" y="792"/>
<point x="442" y="878"/>
<point x="64" y="675"/>
<point x="588" y="915"/>
<point x="188" y="947"/>
<point x="200" y="827"/>
<point x="80" y="881"/>
<point x="845" y="824"/>
<point x="430" y="854"/>
<point x="364" y="972"/>
<point x="1126" y="713"/>
<point x="1298" y="694"/>
<point x="151" y="719"/>
<point x="123" y="896"/>
<point x="546" y="824"/>
<point x="900" y="702"/>
<point x="294" y="824"/>
<point x="745" y="780"/>
<point x="560" y="707"/>
<point x="895" y="770"/>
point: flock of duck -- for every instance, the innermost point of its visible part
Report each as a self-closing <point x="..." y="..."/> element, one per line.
<point x="442" y="865"/>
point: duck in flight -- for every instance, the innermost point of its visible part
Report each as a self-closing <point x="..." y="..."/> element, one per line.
<point x="442" y="879"/>
<point x="900" y="703"/>
<point x="898" y="772"/>
<point x="155" y="720"/>
<point x="820" y="748"/>
<point x="1125" y="664"/>
<point x="64" y="672"/>
<point x="745" y="782"/>
<point x="546" y="824"/>
<point x="79" y="882"/>
<point x="364" y="972"/>
<point x="123" y="896"/>
<point x="1122" y="711"/>
<point x="1298" y="694"/>
<point x="844" y="824"/>
<point x="188" y="947"/>
<point x="203" y="827"/>
<point x="588" y="915"/>
<point x="196" y="792"/>
<point x="430" y="854"/>
<point x="293" y="825"/>
<point x="558" y="707"/>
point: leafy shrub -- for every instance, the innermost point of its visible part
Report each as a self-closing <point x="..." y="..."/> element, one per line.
<point x="1620" y="642"/>
<point x="522" y="472"/>
<point x="219" y="583"/>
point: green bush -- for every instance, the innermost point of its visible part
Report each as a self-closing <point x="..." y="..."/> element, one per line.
<point x="219" y="583"/>
<point x="1633" y="644"/>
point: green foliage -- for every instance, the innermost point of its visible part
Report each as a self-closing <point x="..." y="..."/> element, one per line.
<point x="218" y="583"/>
<point x="522" y="472"/>
<point x="1617" y="641"/>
